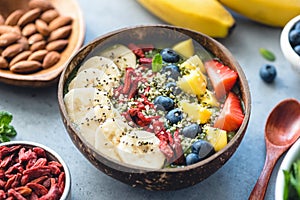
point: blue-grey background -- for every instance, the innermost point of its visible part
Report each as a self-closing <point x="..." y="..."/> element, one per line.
<point x="37" y="118"/>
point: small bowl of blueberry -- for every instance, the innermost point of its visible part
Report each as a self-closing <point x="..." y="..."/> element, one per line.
<point x="290" y="42"/>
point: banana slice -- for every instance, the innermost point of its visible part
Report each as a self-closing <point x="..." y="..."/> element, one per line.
<point x="93" y="77"/>
<point x="78" y="101"/>
<point x="102" y="63"/>
<point x="141" y="148"/>
<point x="121" y="55"/>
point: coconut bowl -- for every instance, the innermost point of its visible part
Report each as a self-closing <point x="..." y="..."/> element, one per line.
<point x="49" y="76"/>
<point x="166" y="178"/>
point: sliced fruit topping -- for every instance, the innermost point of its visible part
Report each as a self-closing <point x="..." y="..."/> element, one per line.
<point x="185" y="48"/>
<point x="193" y="83"/>
<point x="216" y="137"/>
<point x="221" y="76"/>
<point x="192" y="63"/>
<point x="196" y="112"/>
<point x="122" y="56"/>
<point x="231" y="116"/>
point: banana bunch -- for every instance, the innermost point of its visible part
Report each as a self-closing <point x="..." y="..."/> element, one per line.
<point x="212" y="18"/>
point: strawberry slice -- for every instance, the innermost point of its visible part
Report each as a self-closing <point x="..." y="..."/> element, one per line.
<point x="221" y="76"/>
<point x="232" y="115"/>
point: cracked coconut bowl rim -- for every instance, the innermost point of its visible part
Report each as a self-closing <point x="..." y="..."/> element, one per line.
<point x="132" y="174"/>
<point x="50" y="76"/>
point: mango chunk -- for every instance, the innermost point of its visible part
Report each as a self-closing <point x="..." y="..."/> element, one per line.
<point x="217" y="137"/>
<point x="193" y="83"/>
<point x="185" y="48"/>
<point x="194" y="62"/>
<point x="196" y="112"/>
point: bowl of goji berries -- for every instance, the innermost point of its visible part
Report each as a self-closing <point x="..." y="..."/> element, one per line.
<point x="158" y="107"/>
<point x="30" y="170"/>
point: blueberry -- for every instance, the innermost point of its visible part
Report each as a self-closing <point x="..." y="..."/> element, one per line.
<point x="174" y="116"/>
<point x="169" y="55"/>
<point x="172" y="71"/>
<point x="297" y="25"/>
<point x="294" y="37"/>
<point x="297" y="49"/>
<point x="164" y="103"/>
<point x="203" y="149"/>
<point x="267" y="73"/>
<point x="172" y="86"/>
<point x="191" y="131"/>
<point x="191" y="159"/>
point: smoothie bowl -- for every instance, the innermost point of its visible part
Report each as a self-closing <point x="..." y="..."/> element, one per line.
<point x="157" y="107"/>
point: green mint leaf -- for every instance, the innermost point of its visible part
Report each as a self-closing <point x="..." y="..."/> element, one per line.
<point x="267" y="54"/>
<point x="157" y="62"/>
<point x="5" y="117"/>
<point x="10" y="131"/>
<point x="4" y="138"/>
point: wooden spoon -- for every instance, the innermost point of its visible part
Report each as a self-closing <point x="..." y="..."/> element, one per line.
<point x="281" y="131"/>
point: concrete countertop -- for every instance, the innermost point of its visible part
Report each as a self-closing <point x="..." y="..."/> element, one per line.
<point x="37" y="118"/>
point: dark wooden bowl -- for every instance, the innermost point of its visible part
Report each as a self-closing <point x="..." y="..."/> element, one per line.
<point x="168" y="178"/>
<point x="48" y="76"/>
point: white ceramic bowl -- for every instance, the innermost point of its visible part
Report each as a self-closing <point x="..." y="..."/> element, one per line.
<point x="292" y="155"/>
<point x="286" y="47"/>
<point x="52" y="155"/>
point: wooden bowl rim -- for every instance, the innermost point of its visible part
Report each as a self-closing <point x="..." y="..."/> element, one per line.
<point x="134" y="169"/>
<point x="41" y="79"/>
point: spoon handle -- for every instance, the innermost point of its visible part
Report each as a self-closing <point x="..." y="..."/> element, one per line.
<point x="259" y="190"/>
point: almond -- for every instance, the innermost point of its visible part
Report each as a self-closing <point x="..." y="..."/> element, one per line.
<point x="60" y="33"/>
<point x="29" y="16"/>
<point x="59" y="22"/>
<point x="23" y="40"/>
<point x="14" y="17"/>
<point x="7" y="28"/>
<point x="38" y="55"/>
<point x="38" y="45"/>
<point x="57" y="45"/>
<point x="2" y="20"/>
<point x="41" y="4"/>
<point x="49" y="15"/>
<point x="26" y="66"/>
<point x="3" y="63"/>
<point x="35" y="38"/>
<point x="29" y="29"/>
<point x="13" y="50"/>
<point x="8" y="38"/>
<point x="21" y="56"/>
<point x="42" y="27"/>
<point x="51" y="59"/>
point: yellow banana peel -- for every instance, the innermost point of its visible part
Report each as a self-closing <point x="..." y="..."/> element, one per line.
<point x="269" y="12"/>
<point x="205" y="16"/>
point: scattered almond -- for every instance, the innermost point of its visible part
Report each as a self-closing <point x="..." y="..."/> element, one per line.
<point x="21" y="56"/>
<point x="59" y="22"/>
<point x="38" y="55"/>
<point x="57" y="45"/>
<point x="60" y="33"/>
<point x="35" y="38"/>
<point x="42" y="27"/>
<point x="49" y="15"/>
<point x="38" y="45"/>
<point x="51" y="59"/>
<point x="26" y="66"/>
<point x="14" y="17"/>
<point x="3" y="63"/>
<point x="41" y="4"/>
<point x="29" y="29"/>
<point x="13" y="50"/>
<point x="23" y="40"/>
<point x="29" y="16"/>
<point x="8" y="38"/>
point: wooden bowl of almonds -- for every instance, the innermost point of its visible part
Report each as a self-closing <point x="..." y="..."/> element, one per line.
<point x="37" y="37"/>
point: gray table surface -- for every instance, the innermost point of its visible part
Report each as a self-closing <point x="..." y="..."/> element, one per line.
<point x="37" y="118"/>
